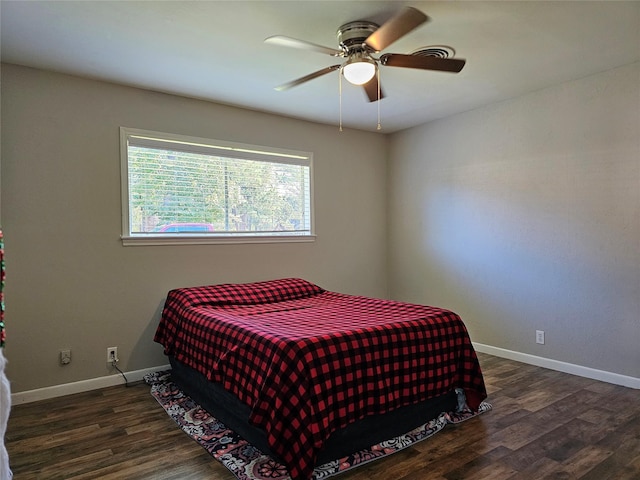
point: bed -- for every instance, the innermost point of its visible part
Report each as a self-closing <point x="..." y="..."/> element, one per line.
<point x="309" y="375"/>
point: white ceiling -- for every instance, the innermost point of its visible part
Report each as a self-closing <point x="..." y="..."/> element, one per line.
<point x="214" y="50"/>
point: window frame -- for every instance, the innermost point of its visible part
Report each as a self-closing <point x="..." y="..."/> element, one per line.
<point x="230" y="150"/>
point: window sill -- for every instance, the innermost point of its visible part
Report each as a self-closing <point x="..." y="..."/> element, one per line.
<point x="183" y="239"/>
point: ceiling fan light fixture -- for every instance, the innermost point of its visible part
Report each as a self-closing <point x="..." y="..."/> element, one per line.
<point x="359" y="70"/>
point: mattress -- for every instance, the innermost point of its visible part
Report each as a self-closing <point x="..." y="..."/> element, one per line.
<point x="355" y="437"/>
<point x="307" y="362"/>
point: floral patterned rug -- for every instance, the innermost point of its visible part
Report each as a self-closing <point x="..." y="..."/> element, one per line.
<point x="247" y="462"/>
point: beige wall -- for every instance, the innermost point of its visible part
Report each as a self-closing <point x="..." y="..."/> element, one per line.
<point x="520" y="216"/>
<point x="525" y="215"/>
<point x="70" y="282"/>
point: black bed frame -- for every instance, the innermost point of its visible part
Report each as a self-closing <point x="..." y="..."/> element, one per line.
<point x="357" y="436"/>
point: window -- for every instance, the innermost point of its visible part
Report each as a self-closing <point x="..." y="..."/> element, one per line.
<point x="178" y="189"/>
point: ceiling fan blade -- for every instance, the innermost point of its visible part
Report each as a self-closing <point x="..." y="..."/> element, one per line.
<point x="394" y="28"/>
<point x="371" y="89"/>
<point x="424" y="62"/>
<point x="283" y="41"/>
<point x="306" y="78"/>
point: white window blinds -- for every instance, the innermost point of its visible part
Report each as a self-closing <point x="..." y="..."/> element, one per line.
<point x="182" y="186"/>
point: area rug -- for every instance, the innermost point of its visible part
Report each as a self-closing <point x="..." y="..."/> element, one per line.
<point x="247" y="462"/>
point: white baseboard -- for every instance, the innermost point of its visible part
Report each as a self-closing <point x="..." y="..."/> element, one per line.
<point x="81" y="386"/>
<point x="137" y="375"/>
<point x="587" y="372"/>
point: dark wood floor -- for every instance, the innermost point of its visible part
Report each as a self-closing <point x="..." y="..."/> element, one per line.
<point x="544" y="425"/>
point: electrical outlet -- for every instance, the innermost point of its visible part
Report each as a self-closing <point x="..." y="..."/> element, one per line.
<point x="540" y="337"/>
<point x="112" y="355"/>
<point x="65" y="357"/>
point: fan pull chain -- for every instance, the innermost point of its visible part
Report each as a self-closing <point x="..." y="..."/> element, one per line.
<point x="340" y="94"/>
<point x="378" y="73"/>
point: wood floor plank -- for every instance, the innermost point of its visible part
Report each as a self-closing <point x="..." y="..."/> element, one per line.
<point x="585" y="460"/>
<point x="544" y="425"/>
<point x="495" y="471"/>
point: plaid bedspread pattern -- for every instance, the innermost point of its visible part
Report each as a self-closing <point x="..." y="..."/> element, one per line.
<point x="309" y="361"/>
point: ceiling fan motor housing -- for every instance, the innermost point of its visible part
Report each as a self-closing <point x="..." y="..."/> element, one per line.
<point x="352" y="35"/>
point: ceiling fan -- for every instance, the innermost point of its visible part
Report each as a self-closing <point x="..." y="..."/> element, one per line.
<point x="360" y="40"/>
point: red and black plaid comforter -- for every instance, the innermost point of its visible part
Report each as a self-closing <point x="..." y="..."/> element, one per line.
<point x="309" y="361"/>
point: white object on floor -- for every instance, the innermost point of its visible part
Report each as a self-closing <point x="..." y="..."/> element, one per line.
<point x="5" y="407"/>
